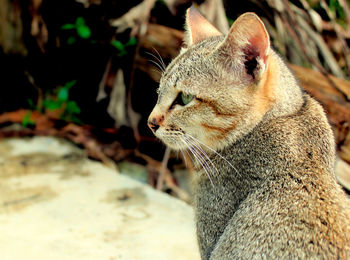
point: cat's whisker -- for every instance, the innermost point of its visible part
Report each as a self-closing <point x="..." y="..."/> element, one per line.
<point x="212" y="150"/>
<point x="175" y="140"/>
<point x="161" y="70"/>
<point x="160" y="59"/>
<point x="197" y="152"/>
<point x="184" y="156"/>
<point x="207" y="168"/>
<point x="182" y="152"/>
<point x="160" y="64"/>
<point x="155" y="69"/>
<point x="199" y="155"/>
<point x="199" y="159"/>
<point x="202" y="152"/>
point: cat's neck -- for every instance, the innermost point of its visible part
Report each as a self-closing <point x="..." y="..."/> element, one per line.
<point x="231" y="176"/>
<point x="286" y="93"/>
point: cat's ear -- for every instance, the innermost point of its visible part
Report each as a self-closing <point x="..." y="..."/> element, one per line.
<point x="197" y="27"/>
<point x="249" y="36"/>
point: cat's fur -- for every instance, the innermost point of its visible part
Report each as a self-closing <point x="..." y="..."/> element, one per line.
<point x="265" y="185"/>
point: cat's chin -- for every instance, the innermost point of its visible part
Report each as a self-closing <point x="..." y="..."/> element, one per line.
<point x="174" y="145"/>
<point x="172" y="141"/>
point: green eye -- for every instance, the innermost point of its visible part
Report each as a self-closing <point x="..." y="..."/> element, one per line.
<point x="186" y="98"/>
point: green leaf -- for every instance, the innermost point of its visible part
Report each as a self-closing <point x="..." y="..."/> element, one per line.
<point x="27" y="121"/>
<point x="71" y="118"/>
<point x="52" y="104"/>
<point x="63" y="94"/>
<point x="68" y="26"/>
<point x="84" y="31"/>
<point x="72" y="108"/>
<point x="230" y="21"/>
<point x="71" y="40"/>
<point x="118" y="45"/>
<point x="132" y="41"/>
<point x="336" y="8"/>
<point x="31" y="104"/>
<point x="334" y="5"/>
<point x="122" y="53"/>
<point x="70" y="84"/>
<point x="80" y="21"/>
<point x="162" y="2"/>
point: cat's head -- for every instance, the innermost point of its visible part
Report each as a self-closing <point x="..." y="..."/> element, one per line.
<point x="217" y="89"/>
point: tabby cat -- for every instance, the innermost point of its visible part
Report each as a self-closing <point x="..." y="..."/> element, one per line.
<point x="264" y="152"/>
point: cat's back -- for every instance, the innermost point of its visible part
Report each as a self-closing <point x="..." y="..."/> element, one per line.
<point x="298" y="211"/>
<point x="286" y="226"/>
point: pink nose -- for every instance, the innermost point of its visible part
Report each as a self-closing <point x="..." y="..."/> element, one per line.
<point x="154" y="122"/>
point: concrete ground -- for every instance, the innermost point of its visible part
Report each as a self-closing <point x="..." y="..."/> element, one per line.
<point x="57" y="204"/>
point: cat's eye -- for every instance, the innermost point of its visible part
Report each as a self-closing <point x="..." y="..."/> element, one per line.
<point x="182" y="99"/>
<point x="186" y="98"/>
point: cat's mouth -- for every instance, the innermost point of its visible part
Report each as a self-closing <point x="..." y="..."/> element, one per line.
<point x="179" y="140"/>
<point x="174" y="138"/>
<point x="174" y="141"/>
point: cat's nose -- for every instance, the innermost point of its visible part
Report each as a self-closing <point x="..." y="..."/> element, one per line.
<point x="154" y="122"/>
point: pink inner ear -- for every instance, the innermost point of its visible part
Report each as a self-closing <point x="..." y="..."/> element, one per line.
<point x="198" y="27"/>
<point x="260" y="43"/>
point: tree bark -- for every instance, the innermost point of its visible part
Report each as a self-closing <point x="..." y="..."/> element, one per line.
<point x="11" y="28"/>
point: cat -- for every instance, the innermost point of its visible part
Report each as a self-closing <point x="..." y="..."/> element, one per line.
<point x="264" y="152"/>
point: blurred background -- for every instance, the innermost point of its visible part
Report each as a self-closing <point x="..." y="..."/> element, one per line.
<point x="88" y="70"/>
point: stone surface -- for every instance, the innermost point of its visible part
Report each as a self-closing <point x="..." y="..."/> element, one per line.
<point x="57" y="204"/>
